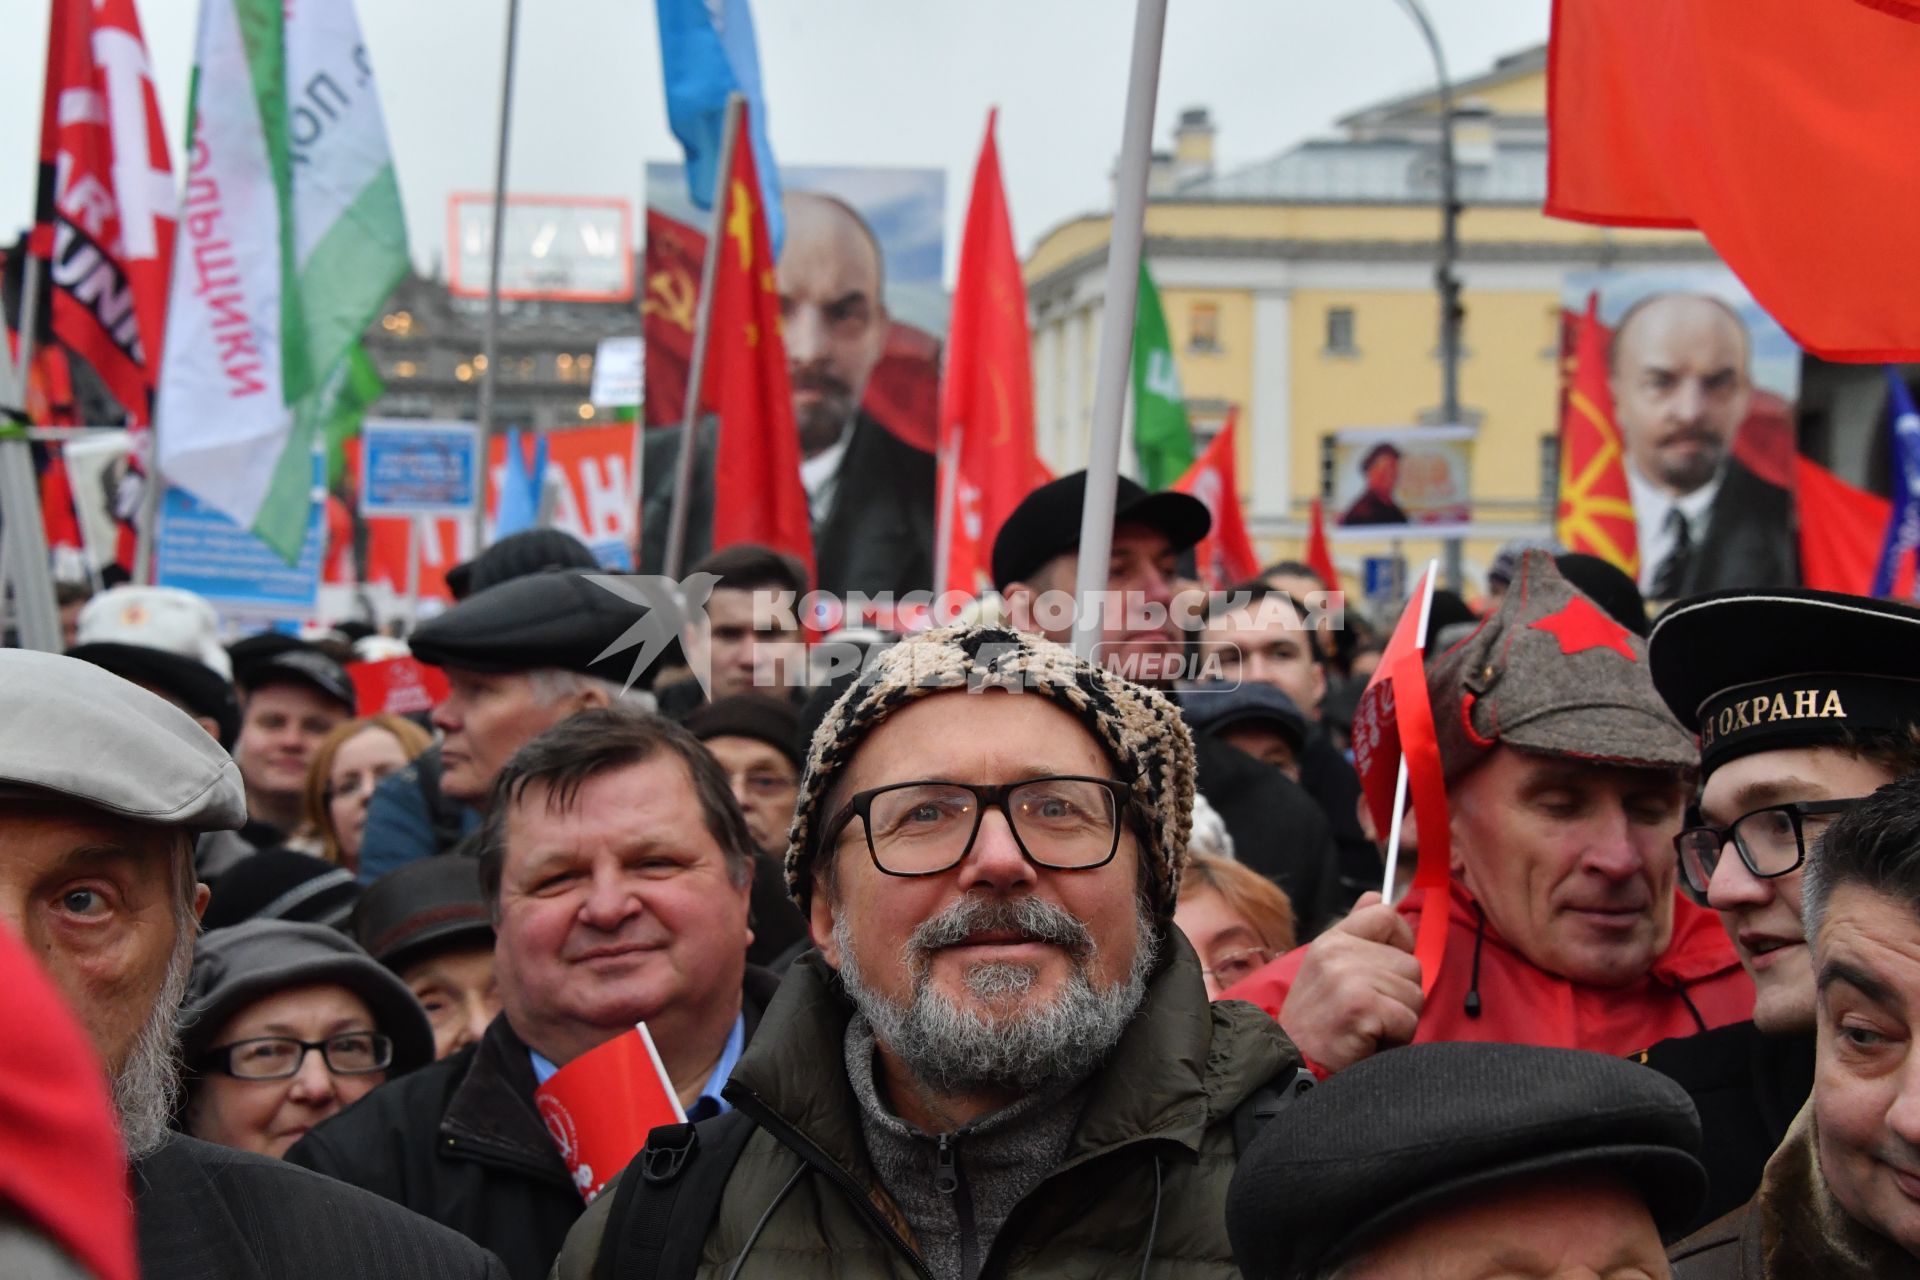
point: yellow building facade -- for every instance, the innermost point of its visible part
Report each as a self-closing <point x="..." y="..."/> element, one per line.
<point x="1300" y="291"/>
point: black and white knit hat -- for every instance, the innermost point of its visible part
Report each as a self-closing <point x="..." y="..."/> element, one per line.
<point x="1141" y="731"/>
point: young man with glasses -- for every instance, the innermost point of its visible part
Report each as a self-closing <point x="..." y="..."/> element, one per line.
<point x="1805" y="702"/>
<point x="1001" y="1059"/>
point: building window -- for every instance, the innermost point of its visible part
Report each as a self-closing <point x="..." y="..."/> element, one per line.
<point x="1340" y="331"/>
<point x="405" y="368"/>
<point x="1203" y="327"/>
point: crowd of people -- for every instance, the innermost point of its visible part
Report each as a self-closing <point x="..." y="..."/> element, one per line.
<point x="982" y="959"/>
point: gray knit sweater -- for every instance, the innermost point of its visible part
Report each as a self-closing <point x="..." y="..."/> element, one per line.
<point x="957" y="1189"/>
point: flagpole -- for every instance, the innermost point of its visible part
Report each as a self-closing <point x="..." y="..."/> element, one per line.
<point x="1125" y="243"/>
<point x="949" y="504"/>
<point x="492" y="334"/>
<point x="702" y="333"/>
<point x="1400" y="785"/>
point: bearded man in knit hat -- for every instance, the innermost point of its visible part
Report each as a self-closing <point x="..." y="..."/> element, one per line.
<point x="1000" y="1060"/>
<point x="1567" y="778"/>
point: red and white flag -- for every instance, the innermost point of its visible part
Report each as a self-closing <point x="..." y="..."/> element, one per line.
<point x="1396" y="751"/>
<point x="104" y="222"/>
<point x="600" y="1107"/>
<point x="987" y="460"/>
<point x="1226" y="555"/>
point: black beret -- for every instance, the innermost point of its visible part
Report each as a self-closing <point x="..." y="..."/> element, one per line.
<point x="560" y="619"/>
<point x="774" y="721"/>
<point x="516" y="556"/>
<point x="198" y="687"/>
<point x="282" y="884"/>
<point x="1358" y="1156"/>
<point x="426" y="906"/>
<point x="1047" y="523"/>
<point x="1763" y="670"/>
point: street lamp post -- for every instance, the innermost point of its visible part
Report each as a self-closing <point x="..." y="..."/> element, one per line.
<point x="1445" y="279"/>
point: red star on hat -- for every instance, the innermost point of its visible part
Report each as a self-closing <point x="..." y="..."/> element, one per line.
<point x="1581" y="626"/>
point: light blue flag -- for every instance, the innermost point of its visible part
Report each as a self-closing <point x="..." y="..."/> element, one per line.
<point x="707" y="51"/>
<point x="520" y="487"/>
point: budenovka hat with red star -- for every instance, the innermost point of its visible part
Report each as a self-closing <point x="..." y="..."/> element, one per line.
<point x="1552" y="674"/>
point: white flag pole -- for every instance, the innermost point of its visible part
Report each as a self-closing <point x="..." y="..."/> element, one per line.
<point x="1400" y="785"/>
<point x="1124" y="244"/>
<point x="949" y="512"/>
<point x="676" y="550"/>
<point x="491" y="333"/>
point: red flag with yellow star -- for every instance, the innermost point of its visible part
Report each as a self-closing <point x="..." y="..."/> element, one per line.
<point x="1596" y="509"/>
<point x="757" y="494"/>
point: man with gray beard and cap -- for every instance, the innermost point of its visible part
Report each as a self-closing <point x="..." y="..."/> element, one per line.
<point x="1001" y="1059"/>
<point x="103" y="787"/>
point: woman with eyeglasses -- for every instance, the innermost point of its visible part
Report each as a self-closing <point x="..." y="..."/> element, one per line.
<point x="286" y="1025"/>
<point x="347" y="765"/>
<point x="1236" y="919"/>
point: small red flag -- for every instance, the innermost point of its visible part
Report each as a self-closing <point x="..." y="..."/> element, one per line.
<point x="986" y="396"/>
<point x="1596" y="507"/>
<point x="600" y="1107"/>
<point x="1393" y="733"/>
<point x="1780" y="129"/>
<point x="757" y="494"/>
<point x="1319" y="555"/>
<point x="1226" y="555"/>
<point x="104" y="224"/>
<point x="1842" y="532"/>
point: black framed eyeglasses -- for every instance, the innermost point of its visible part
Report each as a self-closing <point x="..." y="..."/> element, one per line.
<point x="1771" y="841"/>
<point x="352" y="1053"/>
<point x="1063" y="823"/>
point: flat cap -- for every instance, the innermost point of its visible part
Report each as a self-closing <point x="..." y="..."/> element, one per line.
<point x="516" y="556"/>
<point x="557" y="619"/>
<point x="79" y="731"/>
<point x="425" y="906"/>
<point x="1551" y="673"/>
<point x="1358" y="1156"/>
<point x="1047" y="523"/>
<point x="234" y="967"/>
<point x="1754" y="671"/>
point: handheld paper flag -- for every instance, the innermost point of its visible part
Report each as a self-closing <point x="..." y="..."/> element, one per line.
<point x="600" y="1107"/>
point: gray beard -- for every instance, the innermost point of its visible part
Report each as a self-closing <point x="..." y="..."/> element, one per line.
<point x="951" y="1050"/>
<point x="147" y="1086"/>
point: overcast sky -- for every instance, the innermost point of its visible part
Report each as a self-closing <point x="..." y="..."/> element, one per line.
<point x="902" y="82"/>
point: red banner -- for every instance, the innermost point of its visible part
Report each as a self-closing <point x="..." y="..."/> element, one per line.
<point x="104" y="222"/>
<point x="597" y="505"/>
<point x="400" y="686"/>
<point x="600" y="1107"/>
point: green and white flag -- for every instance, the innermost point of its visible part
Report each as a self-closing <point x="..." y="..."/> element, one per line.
<point x="291" y="239"/>
<point x="1162" y="440"/>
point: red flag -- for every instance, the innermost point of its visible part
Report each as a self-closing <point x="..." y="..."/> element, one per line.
<point x="1225" y="556"/>
<point x="104" y="223"/>
<point x="757" y="494"/>
<point x="600" y="1107"/>
<point x="1596" y="507"/>
<point x="1842" y="530"/>
<point x="400" y="686"/>
<point x="1781" y="129"/>
<point x="1393" y="732"/>
<point x="1319" y="555"/>
<point x="56" y="504"/>
<point x="986" y="399"/>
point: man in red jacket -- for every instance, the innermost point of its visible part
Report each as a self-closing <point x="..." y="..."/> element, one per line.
<point x="1566" y="777"/>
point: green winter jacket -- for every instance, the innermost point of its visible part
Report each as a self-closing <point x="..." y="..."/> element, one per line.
<point x="1152" y="1155"/>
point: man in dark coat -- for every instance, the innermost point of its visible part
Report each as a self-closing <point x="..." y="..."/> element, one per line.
<point x="1770" y="785"/>
<point x="100" y="808"/>
<point x="618" y="869"/>
<point x="871" y="494"/>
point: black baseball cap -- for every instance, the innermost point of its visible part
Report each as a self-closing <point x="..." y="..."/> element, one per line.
<point x="306" y="667"/>
<point x="1047" y="523"/>
<point x="1362" y="1154"/>
<point x="1218" y="705"/>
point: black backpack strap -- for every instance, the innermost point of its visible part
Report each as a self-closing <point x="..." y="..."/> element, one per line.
<point x="668" y="1197"/>
<point x="1258" y="1108"/>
